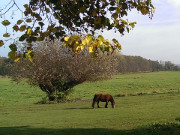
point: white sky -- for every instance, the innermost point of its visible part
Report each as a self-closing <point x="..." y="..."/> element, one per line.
<point x="156" y="39"/>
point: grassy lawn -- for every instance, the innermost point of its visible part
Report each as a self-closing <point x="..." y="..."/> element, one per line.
<point x="161" y="82"/>
<point x="150" y="114"/>
<point x="18" y="94"/>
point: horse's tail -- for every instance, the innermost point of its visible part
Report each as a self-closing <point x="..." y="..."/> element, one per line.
<point x="94" y="100"/>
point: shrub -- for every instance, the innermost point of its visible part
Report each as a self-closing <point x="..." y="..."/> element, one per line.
<point x="56" y="70"/>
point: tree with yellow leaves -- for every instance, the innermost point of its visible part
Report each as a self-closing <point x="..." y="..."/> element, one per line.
<point x="68" y="16"/>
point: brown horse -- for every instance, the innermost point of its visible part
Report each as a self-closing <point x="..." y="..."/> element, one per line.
<point x="103" y="98"/>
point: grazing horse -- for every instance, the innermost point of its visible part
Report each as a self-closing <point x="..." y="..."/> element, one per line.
<point x="103" y="98"/>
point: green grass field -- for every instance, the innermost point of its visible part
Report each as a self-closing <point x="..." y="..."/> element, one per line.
<point x="129" y="84"/>
<point x="150" y="105"/>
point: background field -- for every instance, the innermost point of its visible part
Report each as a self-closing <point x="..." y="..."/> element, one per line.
<point x="146" y="103"/>
<point x="129" y="84"/>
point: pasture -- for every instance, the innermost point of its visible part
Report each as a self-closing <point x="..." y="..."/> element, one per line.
<point x="146" y="103"/>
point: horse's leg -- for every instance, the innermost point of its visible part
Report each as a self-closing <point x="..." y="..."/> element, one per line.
<point x="93" y="104"/>
<point x="106" y="104"/>
<point x="98" y="104"/>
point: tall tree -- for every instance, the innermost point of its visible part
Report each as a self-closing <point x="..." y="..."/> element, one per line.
<point x="57" y="18"/>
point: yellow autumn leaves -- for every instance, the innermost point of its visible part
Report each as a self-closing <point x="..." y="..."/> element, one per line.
<point x="13" y="47"/>
<point x="16" y="28"/>
<point x="75" y="42"/>
<point x="29" y="31"/>
<point x="5" y="22"/>
<point x="94" y="45"/>
<point x="1" y="43"/>
<point x="15" y="57"/>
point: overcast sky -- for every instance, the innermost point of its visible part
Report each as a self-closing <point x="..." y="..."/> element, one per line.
<point x="156" y="39"/>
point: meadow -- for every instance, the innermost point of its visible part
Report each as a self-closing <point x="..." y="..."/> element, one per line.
<point x="146" y="103"/>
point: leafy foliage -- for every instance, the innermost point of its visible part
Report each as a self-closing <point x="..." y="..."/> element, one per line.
<point x="5" y="23"/>
<point x="94" y="44"/>
<point x="57" y="18"/>
<point x="1" y="43"/>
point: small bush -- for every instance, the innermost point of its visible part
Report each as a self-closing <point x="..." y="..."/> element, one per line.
<point x="56" y="70"/>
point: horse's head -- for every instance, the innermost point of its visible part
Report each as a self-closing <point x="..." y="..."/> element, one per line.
<point x="113" y="105"/>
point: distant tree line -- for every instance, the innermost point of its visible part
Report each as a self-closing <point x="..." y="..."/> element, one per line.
<point x="169" y="66"/>
<point x="5" y="66"/>
<point x="125" y="64"/>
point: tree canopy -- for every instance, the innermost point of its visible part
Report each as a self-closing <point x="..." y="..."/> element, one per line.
<point x="52" y="19"/>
